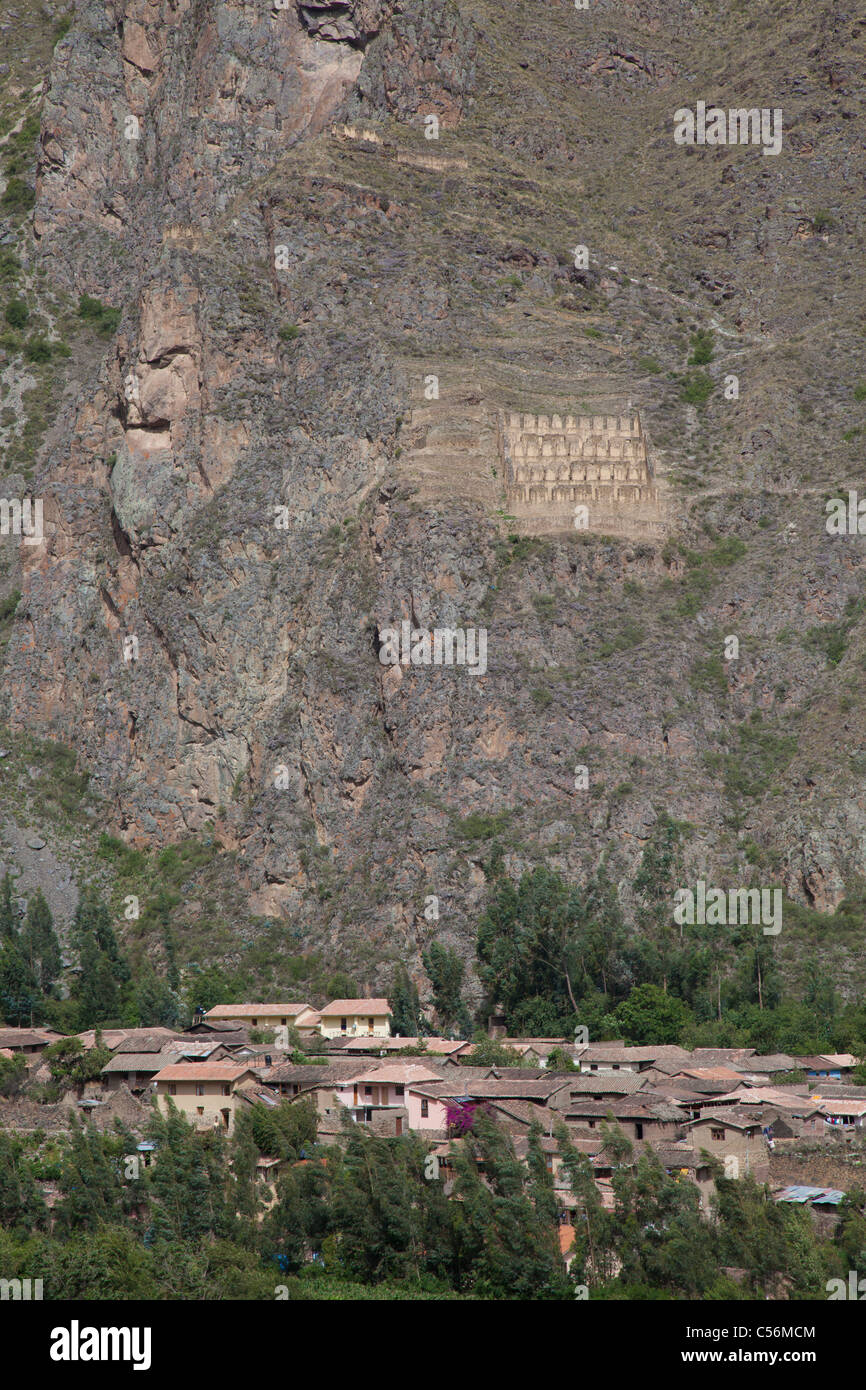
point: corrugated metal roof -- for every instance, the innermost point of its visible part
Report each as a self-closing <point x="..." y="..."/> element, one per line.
<point x="820" y="1196"/>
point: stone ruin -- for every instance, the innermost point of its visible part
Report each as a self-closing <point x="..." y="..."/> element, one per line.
<point x="554" y="465"/>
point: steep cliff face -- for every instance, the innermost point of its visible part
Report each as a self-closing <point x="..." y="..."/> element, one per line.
<point x="236" y="502"/>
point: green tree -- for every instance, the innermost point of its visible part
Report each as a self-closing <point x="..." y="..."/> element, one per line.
<point x="446" y="970"/>
<point x="508" y="1235"/>
<point x="71" y="1064"/>
<point x="156" y="1005"/>
<point x="8" y="910"/>
<point x="18" y="992"/>
<point x="39" y="945"/>
<point x="406" y="1019"/>
<point x="649" y="1015"/>
<point x="22" y="1207"/>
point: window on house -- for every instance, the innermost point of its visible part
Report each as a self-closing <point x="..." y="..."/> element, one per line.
<point x="199" y="1110"/>
<point x="717" y="1134"/>
<point x="283" y="1021"/>
<point x="425" y="1109"/>
<point x="342" y="1025"/>
<point x="370" y="1024"/>
<point x="227" y="1090"/>
<point x="199" y="1088"/>
<point x="399" y="1090"/>
<point x="255" y="1022"/>
<point x="616" y="1066"/>
<point x="638" y="1130"/>
<point x="368" y="1090"/>
<point x="172" y="1090"/>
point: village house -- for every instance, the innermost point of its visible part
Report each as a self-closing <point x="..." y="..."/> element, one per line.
<point x="639" y="1117"/>
<point x="612" y="1057"/>
<point x="384" y="1085"/>
<point x="27" y="1042"/>
<point x="768" y="1103"/>
<point x="205" y="1092"/>
<point x="230" y="1034"/>
<point x="833" y="1067"/>
<point x="440" y="1048"/>
<point x="682" y="1161"/>
<point x="356" y="1017"/>
<point x="734" y="1138"/>
<point x="843" y="1114"/>
<point x="767" y="1070"/>
<point x="267" y="1016"/>
<point x="824" y="1204"/>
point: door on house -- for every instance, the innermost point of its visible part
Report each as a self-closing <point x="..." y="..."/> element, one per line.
<point x="399" y="1129"/>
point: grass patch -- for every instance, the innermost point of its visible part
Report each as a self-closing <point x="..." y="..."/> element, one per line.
<point x="831" y="639"/>
<point x="702" y="348"/>
<point x="479" y="827"/>
<point x="696" y="388"/>
<point x="18" y="196"/>
<point x="761" y="753"/>
<point x="102" y="318"/>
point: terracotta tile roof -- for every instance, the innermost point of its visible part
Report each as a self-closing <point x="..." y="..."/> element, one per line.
<point x="522" y="1112"/>
<point x="134" y="1061"/>
<point x="154" y="1041"/>
<point x="394" y="1044"/>
<point x="26" y="1037"/>
<point x="734" y="1119"/>
<point x="230" y="1011"/>
<point x="778" y="1061"/>
<point x="619" y="1052"/>
<point x="395" y="1073"/>
<point x="201" y="1071"/>
<point x="502" y="1087"/>
<point x="712" y="1073"/>
<point x="337" y="1069"/>
<point x="593" y="1083"/>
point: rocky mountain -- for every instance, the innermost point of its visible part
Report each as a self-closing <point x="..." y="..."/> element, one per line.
<point x="289" y="262"/>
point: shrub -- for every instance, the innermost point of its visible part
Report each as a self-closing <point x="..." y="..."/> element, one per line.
<point x="16" y="313"/>
<point x="702" y="348"/>
<point x="649" y="364"/>
<point x="480" y="827"/>
<point x="288" y="332"/>
<point x="37" y="350"/>
<point x="104" y="319"/>
<point x="9" y="604"/>
<point x="18" y="196"/>
<point x="697" y="387"/>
